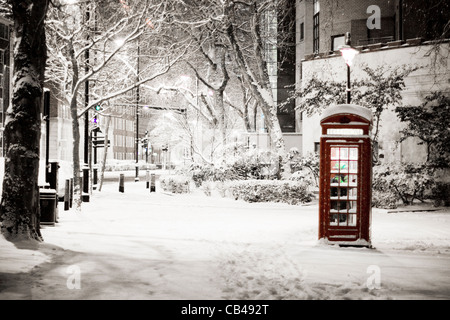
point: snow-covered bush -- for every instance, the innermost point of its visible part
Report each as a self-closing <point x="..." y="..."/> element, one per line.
<point x="252" y="164"/>
<point x="440" y="194"/>
<point x="127" y="165"/>
<point x="175" y="183"/>
<point x="207" y="187"/>
<point x="393" y="183"/>
<point x="292" y="192"/>
<point x="304" y="168"/>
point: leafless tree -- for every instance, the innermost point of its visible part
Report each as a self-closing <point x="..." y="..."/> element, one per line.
<point x="20" y="210"/>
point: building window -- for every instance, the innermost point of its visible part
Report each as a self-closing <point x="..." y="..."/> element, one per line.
<point x="2" y="61"/>
<point x="317" y="147"/>
<point x="337" y="41"/>
<point x="316" y="27"/>
<point x="316" y="6"/>
<point x="302" y="31"/>
<point x="4" y="31"/>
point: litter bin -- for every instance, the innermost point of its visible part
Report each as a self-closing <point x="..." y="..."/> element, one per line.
<point x="48" y="199"/>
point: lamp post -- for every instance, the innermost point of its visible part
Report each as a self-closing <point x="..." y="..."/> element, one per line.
<point x="348" y="53"/>
<point x="85" y="194"/>
<point x="137" y="115"/>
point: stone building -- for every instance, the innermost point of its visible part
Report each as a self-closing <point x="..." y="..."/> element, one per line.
<point x="387" y="34"/>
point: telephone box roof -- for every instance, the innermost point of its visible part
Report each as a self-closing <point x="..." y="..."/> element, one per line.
<point x="347" y="109"/>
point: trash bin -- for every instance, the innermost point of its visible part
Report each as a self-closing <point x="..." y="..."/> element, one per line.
<point x="48" y="199"/>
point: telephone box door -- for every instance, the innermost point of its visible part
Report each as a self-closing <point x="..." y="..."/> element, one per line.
<point x="344" y="190"/>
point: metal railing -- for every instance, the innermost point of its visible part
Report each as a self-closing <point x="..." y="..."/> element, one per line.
<point x="362" y="42"/>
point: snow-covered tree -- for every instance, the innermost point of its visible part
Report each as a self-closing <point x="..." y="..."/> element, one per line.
<point x="85" y="39"/>
<point x="377" y="91"/>
<point x="430" y="123"/>
<point x="20" y="210"/>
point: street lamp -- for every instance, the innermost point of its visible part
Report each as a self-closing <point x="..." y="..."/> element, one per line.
<point x="137" y="113"/>
<point x="348" y="53"/>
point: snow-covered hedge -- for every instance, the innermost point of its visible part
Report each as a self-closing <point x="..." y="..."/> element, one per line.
<point x="126" y="165"/>
<point x="291" y="192"/>
<point x="404" y="183"/>
<point x="175" y="183"/>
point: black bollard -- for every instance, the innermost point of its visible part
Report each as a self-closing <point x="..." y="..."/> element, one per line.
<point x="152" y="186"/>
<point x="121" y="183"/>
<point x="147" y="179"/>
<point x="71" y="193"/>
<point x="67" y="195"/>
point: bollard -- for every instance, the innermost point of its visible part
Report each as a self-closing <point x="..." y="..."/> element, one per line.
<point x="121" y="183"/>
<point x="81" y="185"/>
<point x="67" y="195"/>
<point x="71" y="193"/>
<point x="152" y="186"/>
<point x="147" y="178"/>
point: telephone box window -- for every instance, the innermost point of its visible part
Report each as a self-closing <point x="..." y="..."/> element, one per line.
<point x="349" y="132"/>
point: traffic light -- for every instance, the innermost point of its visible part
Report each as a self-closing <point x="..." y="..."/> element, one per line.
<point x="98" y="107"/>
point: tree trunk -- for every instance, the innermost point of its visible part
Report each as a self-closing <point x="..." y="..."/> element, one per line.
<point x="76" y="154"/>
<point x="75" y="129"/>
<point x="105" y="153"/>
<point x="20" y="210"/>
<point x="260" y="88"/>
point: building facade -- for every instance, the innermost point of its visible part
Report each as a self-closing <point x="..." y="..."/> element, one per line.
<point x="387" y="34"/>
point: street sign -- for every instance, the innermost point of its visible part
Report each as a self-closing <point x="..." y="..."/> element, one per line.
<point x="97" y="143"/>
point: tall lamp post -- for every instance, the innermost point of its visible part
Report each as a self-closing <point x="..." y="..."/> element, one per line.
<point x="136" y="155"/>
<point x="85" y="193"/>
<point x="348" y="53"/>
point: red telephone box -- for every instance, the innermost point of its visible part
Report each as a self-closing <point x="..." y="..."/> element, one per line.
<point x="345" y="187"/>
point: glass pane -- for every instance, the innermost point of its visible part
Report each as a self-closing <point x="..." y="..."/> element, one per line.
<point x="333" y="219"/>
<point x="353" y="154"/>
<point x="343" y="192"/>
<point x="352" y="220"/>
<point x="352" y="193"/>
<point x="343" y="154"/>
<point x="353" y="179"/>
<point x="352" y="206"/>
<point x="334" y="153"/>
<point x="343" y="178"/>
<point x="342" y="219"/>
<point x="353" y="166"/>
<point x="343" y="166"/>
<point x="334" y="192"/>
<point x="335" y="166"/>
<point x="335" y="178"/>
<point x="335" y="206"/>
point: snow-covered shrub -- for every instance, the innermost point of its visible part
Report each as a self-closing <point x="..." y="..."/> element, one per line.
<point x="292" y="192"/>
<point x="221" y="188"/>
<point x="304" y="168"/>
<point x="401" y="182"/>
<point x="252" y="164"/>
<point x="127" y="165"/>
<point x="197" y="173"/>
<point x="207" y="187"/>
<point x="440" y="194"/>
<point x="175" y="183"/>
<point x="384" y="199"/>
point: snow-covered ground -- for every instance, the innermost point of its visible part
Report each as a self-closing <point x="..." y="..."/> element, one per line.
<point x="142" y="245"/>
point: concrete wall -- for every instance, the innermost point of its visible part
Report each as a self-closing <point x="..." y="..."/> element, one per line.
<point x="433" y="75"/>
